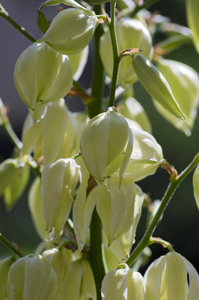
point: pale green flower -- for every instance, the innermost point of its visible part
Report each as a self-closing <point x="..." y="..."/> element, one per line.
<point x="14" y="176"/>
<point x="123" y="284"/>
<point x="130" y="108"/>
<point x="78" y="62"/>
<point x="106" y="145"/>
<point x="71" y="30"/>
<point x="59" y="264"/>
<point x="196" y="185"/>
<point x="184" y="83"/>
<point x="31" y="278"/>
<point x="42" y="75"/>
<point x="115" y="206"/>
<point x="54" y="139"/>
<point x="59" y="180"/>
<point x="5" y="265"/>
<point x="156" y="85"/>
<point x="131" y="33"/>
<point x="36" y="210"/>
<point x="172" y="277"/>
<point x="79" y="282"/>
<point x="193" y="21"/>
<point x="146" y="156"/>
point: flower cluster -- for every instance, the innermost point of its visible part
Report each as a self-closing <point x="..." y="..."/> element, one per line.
<point x="85" y="200"/>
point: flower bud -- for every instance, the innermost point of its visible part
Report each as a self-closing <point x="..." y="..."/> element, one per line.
<point x="146" y="156"/>
<point x="31" y="278"/>
<point x="67" y="39"/>
<point x="130" y="108"/>
<point x="14" y="176"/>
<point x="184" y="82"/>
<point x="156" y="85"/>
<point x="115" y="207"/>
<point x="172" y="277"/>
<point x="196" y="185"/>
<point x="193" y="21"/>
<point x="4" y="269"/>
<point x="41" y="75"/>
<point x="130" y="33"/>
<point x="103" y="142"/>
<point x="59" y="181"/>
<point x="123" y="284"/>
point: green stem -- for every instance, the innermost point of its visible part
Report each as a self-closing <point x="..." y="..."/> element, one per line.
<point x="95" y="106"/>
<point x="116" y="56"/>
<point x="10" y="246"/>
<point x="96" y="252"/>
<point x="4" y="14"/>
<point x="174" y="183"/>
<point x="12" y="135"/>
<point x="140" y="7"/>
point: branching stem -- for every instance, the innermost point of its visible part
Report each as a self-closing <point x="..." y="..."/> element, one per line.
<point x="174" y="183"/>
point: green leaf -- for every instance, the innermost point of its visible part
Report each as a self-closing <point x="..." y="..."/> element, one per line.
<point x="42" y="21"/>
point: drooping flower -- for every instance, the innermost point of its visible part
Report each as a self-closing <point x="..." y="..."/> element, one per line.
<point x="106" y="145"/>
<point x="67" y="39"/>
<point x="31" y="278"/>
<point x="131" y="33"/>
<point x="123" y="284"/>
<point x="41" y="76"/>
<point x="172" y="277"/>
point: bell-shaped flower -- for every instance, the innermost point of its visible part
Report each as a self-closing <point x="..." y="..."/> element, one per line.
<point x="57" y="139"/>
<point x="123" y="284"/>
<point x="67" y="39"/>
<point x="31" y="278"/>
<point x="14" y="176"/>
<point x="156" y="85"/>
<point x="193" y="21"/>
<point x="59" y="181"/>
<point x="184" y="83"/>
<point x="126" y="240"/>
<point x="83" y="206"/>
<point x="78" y="62"/>
<point x="106" y="145"/>
<point x="59" y="264"/>
<point x="42" y="75"/>
<point x="146" y="156"/>
<point x="172" y="277"/>
<point x="79" y="281"/>
<point x="130" y="108"/>
<point x="36" y="209"/>
<point x="115" y="206"/>
<point x="131" y="33"/>
<point x="4" y="269"/>
<point x="196" y="185"/>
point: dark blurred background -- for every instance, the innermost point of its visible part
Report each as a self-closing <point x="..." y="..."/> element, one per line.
<point x="180" y="224"/>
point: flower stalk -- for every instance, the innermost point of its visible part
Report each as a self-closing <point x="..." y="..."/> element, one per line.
<point x="174" y="183"/>
<point x="10" y="246"/>
<point x="4" y="14"/>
